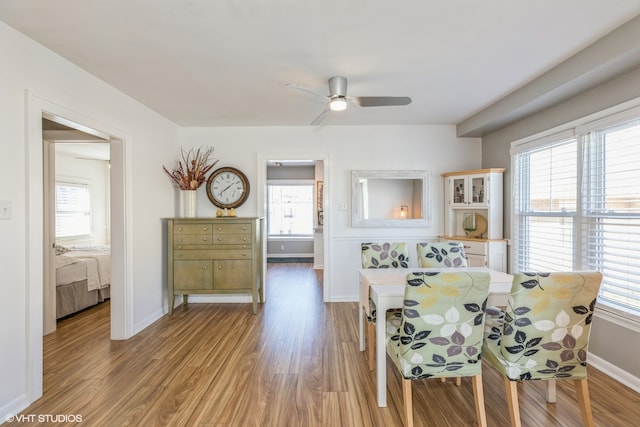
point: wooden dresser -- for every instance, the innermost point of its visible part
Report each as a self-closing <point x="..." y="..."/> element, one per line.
<point x="214" y="256"/>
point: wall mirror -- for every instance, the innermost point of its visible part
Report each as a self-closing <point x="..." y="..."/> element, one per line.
<point x="389" y="198"/>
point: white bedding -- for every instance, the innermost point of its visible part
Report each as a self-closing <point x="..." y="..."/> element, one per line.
<point x="75" y="266"/>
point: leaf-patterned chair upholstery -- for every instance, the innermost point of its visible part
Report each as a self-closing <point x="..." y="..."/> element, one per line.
<point x="544" y="333"/>
<point x="381" y="255"/>
<point x="440" y="333"/>
<point x="441" y="254"/>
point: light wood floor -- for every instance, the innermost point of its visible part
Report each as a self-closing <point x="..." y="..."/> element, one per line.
<point x="295" y="363"/>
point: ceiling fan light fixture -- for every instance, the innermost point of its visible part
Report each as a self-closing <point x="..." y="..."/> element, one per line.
<point x="338" y="104"/>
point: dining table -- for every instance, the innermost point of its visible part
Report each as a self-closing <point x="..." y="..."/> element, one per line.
<point x="385" y="286"/>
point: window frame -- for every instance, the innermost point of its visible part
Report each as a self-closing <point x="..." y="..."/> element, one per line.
<point x="581" y="131"/>
<point x="292" y="182"/>
<point x="74" y="182"/>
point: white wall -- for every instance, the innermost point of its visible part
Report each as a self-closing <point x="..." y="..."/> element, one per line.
<point x="433" y="148"/>
<point x="31" y="75"/>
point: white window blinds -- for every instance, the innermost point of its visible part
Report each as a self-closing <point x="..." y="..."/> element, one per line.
<point x="611" y="188"/>
<point x="545" y="207"/>
<point x="73" y="209"/>
<point x="576" y="206"/>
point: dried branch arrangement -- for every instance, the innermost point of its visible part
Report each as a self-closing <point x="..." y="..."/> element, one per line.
<point x="192" y="168"/>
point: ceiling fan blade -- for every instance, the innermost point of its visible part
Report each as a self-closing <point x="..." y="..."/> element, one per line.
<point x="381" y="101"/>
<point x="318" y="120"/>
<point x="304" y="89"/>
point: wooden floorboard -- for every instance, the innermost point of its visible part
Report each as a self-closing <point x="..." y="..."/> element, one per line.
<point x="296" y="363"/>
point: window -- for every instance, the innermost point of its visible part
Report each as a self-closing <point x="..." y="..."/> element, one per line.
<point x="290" y="210"/>
<point x="546" y="208"/>
<point x="577" y="207"/>
<point x="73" y="209"/>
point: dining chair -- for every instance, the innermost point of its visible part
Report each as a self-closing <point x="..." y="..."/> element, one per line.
<point x="440" y="332"/>
<point x="381" y="255"/>
<point x="441" y="254"/>
<point x="543" y="334"/>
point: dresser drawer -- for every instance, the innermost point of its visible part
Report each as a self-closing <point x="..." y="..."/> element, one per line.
<point x="477" y="248"/>
<point x="192" y="239"/>
<point x="242" y="228"/>
<point x="213" y="254"/>
<point x="232" y="239"/>
<point x="192" y="229"/>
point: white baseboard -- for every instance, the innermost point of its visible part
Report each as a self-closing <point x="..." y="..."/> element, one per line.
<point x="614" y="372"/>
<point x="138" y="327"/>
<point x="208" y="299"/>
<point x="12" y="408"/>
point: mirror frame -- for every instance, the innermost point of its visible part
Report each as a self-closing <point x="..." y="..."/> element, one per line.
<point x="356" y="198"/>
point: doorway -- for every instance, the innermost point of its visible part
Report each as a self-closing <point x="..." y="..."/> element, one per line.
<point x="311" y="171"/>
<point x="121" y="304"/>
<point x="77" y="221"/>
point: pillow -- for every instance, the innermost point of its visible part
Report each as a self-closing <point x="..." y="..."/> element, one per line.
<point x="61" y="249"/>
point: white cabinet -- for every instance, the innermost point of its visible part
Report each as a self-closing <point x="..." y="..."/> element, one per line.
<point x="482" y="252"/>
<point x="475" y="197"/>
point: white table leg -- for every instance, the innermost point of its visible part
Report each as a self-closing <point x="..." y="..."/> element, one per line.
<point x="361" y="326"/>
<point x="381" y="350"/>
<point x="551" y="391"/>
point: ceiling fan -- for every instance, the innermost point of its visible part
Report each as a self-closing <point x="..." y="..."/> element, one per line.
<point x="337" y="98"/>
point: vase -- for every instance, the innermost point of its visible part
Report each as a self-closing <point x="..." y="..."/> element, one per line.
<point x="189" y="203"/>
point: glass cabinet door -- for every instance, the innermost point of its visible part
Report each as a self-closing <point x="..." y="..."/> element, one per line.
<point x="478" y="190"/>
<point x="458" y="191"/>
<point x="469" y="190"/>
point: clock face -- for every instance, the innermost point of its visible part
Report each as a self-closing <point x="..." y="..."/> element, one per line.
<point x="227" y="188"/>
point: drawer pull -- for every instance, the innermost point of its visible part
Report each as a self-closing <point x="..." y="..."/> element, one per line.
<point x="204" y="228"/>
<point x="204" y="239"/>
<point x="219" y="267"/>
<point x="179" y="246"/>
<point x="219" y="239"/>
<point x="219" y="228"/>
<point x="244" y="228"/>
<point x="179" y="239"/>
<point x="244" y="254"/>
<point x="206" y="267"/>
<point x="244" y="239"/>
<point x="179" y="228"/>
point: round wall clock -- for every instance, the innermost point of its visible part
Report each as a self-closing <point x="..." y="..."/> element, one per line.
<point x="227" y="187"/>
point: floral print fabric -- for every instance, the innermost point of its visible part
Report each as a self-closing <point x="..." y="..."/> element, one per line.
<point x="441" y="254"/>
<point x="440" y="329"/>
<point x="383" y="255"/>
<point x="544" y="331"/>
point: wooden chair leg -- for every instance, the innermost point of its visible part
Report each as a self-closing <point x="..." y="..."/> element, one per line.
<point x="407" y="399"/>
<point x="458" y="381"/>
<point x="512" y="401"/>
<point x="371" y="344"/>
<point x="582" y="392"/>
<point x="478" y="397"/>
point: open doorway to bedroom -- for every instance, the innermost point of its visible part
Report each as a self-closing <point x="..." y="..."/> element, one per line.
<point x="77" y="231"/>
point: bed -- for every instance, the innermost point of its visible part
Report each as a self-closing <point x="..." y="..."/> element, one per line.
<point x="83" y="277"/>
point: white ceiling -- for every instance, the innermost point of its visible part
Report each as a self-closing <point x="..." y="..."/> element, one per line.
<point x="227" y="63"/>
